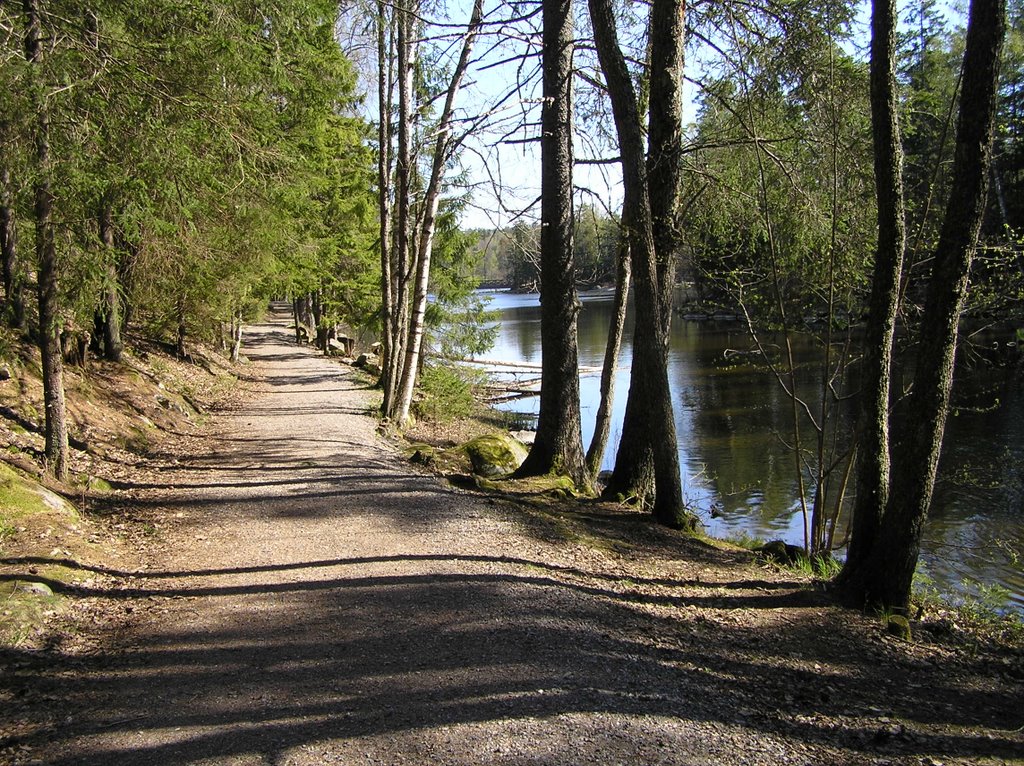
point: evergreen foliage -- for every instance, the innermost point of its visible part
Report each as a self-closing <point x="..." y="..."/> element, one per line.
<point x="203" y="157"/>
<point x="222" y="138"/>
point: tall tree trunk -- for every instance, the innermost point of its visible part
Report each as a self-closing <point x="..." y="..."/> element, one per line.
<point x="385" y="81"/>
<point x="14" y="298"/>
<point x="110" y="303"/>
<point x="649" y="348"/>
<point x="443" y="148"/>
<point x="890" y="567"/>
<point x="129" y="254"/>
<point x="319" y="321"/>
<point x="665" y="142"/>
<point x="180" y="346"/>
<point x="636" y="471"/>
<point x="558" y="446"/>
<point x="56" y="431"/>
<point x="602" y="424"/>
<point x="402" y="265"/>
<point x="873" y="462"/>
<point x="236" y="336"/>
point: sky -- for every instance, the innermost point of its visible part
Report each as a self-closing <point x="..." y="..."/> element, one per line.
<point x="500" y="159"/>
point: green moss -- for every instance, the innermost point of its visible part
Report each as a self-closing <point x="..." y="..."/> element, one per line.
<point x="495" y="455"/>
<point x="20" y="497"/>
<point x="136" y="440"/>
<point x="7" y="530"/>
<point x="422" y="454"/>
<point x="898" y="625"/>
<point x="554" y="485"/>
<point x="94" y="484"/>
<point x="23" y="610"/>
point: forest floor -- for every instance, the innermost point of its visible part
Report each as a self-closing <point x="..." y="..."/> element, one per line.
<point x="289" y="589"/>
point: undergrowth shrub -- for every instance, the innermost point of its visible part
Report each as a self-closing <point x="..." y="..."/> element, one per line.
<point x="447" y="392"/>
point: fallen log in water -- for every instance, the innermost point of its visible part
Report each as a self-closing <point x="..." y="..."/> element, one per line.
<point x="516" y="365"/>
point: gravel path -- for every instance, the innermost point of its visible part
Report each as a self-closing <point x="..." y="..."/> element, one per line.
<point x="323" y="603"/>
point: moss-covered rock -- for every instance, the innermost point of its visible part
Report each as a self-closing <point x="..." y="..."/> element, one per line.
<point x="422" y="454"/>
<point x="898" y="625"/>
<point x="495" y="455"/>
<point x="781" y="552"/>
<point x="20" y="496"/>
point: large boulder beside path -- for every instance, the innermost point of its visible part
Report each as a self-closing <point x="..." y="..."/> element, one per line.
<point x="495" y="455"/>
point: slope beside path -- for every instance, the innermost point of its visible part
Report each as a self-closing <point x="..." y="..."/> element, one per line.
<point x="320" y="602"/>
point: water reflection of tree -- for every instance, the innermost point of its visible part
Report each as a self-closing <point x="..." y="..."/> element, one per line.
<point x="593" y="330"/>
<point x="740" y="415"/>
<point x="526" y="326"/>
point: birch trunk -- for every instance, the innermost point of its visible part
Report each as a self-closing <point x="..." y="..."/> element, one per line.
<point x="443" y="148"/>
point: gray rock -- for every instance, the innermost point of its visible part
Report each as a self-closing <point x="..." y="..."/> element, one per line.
<point x="366" y="360"/>
<point x="526" y="437"/>
<point x="782" y="552"/>
<point x="495" y="455"/>
<point x="34" y="588"/>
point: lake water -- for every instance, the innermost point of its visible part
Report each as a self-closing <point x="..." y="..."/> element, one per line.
<point x="731" y="418"/>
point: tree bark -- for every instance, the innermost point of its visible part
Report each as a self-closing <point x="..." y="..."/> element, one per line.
<point x="602" y="424"/>
<point x="56" y="433"/>
<point x="649" y="347"/>
<point x="319" y="321"/>
<point x="110" y="303"/>
<point x="890" y="567"/>
<point x="558" y="446"/>
<point x="14" y="298"/>
<point x="384" y="134"/>
<point x="236" y="336"/>
<point x="665" y="142"/>
<point x="180" y="346"/>
<point x="647" y="464"/>
<point x="443" y="148"/>
<point x="402" y="265"/>
<point x="873" y="463"/>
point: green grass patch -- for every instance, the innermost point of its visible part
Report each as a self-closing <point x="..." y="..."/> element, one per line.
<point x="21" y="497"/>
<point x="24" y="607"/>
<point x="744" y="540"/>
<point x="86" y="483"/>
<point x="7" y="530"/>
<point x="822" y="567"/>
<point x="979" y="612"/>
<point x="137" y="439"/>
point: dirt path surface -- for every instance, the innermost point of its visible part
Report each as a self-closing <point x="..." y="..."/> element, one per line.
<point x="320" y="602"/>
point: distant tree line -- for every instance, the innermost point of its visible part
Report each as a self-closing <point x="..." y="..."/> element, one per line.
<point x="510" y="257"/>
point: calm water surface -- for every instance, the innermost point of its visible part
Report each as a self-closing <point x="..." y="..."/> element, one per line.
<point x="732" y="414"/>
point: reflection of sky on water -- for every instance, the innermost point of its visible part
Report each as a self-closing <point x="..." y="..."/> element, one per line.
<point x="731" y="420"/>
